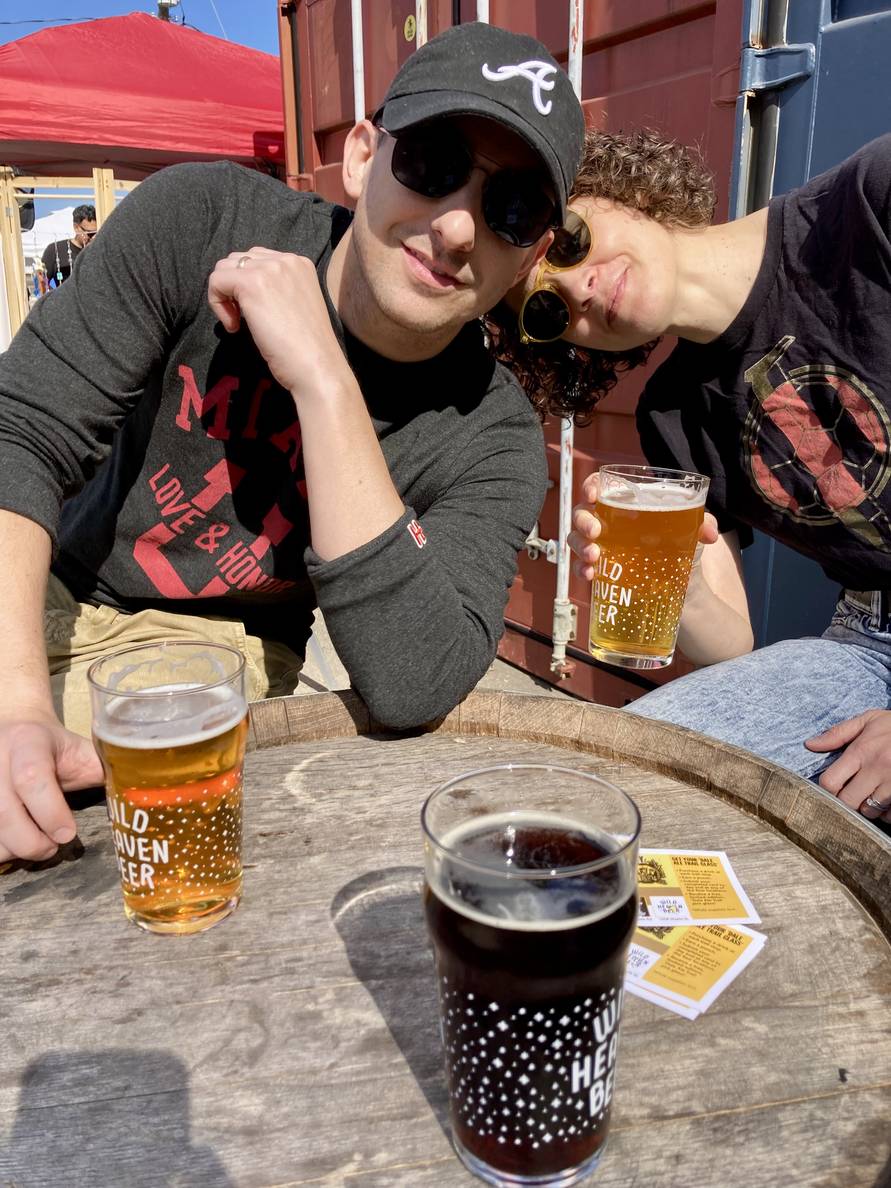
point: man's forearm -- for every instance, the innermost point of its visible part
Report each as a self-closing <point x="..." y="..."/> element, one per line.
<point x="24" y="683"/>
<point x="351" y="495"/>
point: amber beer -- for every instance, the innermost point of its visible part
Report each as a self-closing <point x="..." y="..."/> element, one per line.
<point x="530" y="913"/>
<point x="173" y="753"/>
<point x="650" y="520"/>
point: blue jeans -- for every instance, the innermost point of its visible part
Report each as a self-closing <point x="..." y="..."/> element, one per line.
<point x="771" y="700"/>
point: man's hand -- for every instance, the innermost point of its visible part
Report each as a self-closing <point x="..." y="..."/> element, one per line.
<point x="586" y="530"/>
<point x="279" y="296"/>
<point x="38" y="758"/>
<point x="862" y="773"/>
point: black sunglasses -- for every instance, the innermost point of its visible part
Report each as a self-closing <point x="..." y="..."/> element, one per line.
<point x="434" y="160"/>
<point x="544" y="314"/>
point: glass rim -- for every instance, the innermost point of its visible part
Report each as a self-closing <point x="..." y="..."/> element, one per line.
<point x="526" y="873"/>
<point x="656" y="473"/>
<point x="159" y="693"/>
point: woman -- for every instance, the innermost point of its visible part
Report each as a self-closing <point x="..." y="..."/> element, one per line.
<point x="641" y="173"/>
<point x="779" y="390"/>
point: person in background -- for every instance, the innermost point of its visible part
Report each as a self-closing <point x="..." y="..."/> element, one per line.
<point x="276" y="405"/>
<point x="780" y="391"/>
<point x="59" y="257"/>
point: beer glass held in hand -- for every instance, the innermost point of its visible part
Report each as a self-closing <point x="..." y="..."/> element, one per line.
<point x="170" y="724"/>
<point x="650" y="520"/>
<point x="530" y="900"/>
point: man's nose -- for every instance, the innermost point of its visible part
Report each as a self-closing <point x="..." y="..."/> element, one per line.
<point x="456" y="222"/>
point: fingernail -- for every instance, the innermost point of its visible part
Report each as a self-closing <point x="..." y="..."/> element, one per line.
<point x="64" y="835"/>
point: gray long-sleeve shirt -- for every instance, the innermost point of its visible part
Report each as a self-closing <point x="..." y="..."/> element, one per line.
<point x="166" y="463"/>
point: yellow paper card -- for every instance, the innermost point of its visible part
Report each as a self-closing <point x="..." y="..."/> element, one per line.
<point x="690" y="887"/>
<point x="690" y="965"/>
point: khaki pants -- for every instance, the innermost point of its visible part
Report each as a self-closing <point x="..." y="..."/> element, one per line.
<point x="77" y="633"/>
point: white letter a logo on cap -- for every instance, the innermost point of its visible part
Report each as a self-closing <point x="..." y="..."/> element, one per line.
<point x="536" y="72"/>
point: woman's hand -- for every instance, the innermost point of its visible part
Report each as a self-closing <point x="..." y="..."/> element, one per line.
<point x="586" y="530"/>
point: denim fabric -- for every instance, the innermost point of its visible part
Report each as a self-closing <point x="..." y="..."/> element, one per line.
<point x="771" y="700"/>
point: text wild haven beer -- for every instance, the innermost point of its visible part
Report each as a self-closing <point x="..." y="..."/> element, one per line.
<point x="530" y="972"/>
<point x="173" y="757"/>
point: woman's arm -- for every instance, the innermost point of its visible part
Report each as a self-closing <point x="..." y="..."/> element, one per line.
<point x="715" y="624"/>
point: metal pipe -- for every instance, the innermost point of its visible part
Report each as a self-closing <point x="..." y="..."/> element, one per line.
<point x="456" y="12"/>
<point x="358" y="61"/>
<point x="482" y="10"/>
<point x="420" y="23"/>
<point x="564" y="620"/>
<point x="298" y="105"/>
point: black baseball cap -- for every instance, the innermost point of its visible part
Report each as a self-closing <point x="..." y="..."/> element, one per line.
<point x="484" y="70"/>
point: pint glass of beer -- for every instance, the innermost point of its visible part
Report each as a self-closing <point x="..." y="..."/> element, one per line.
<point x="650" y="520"/>
<point x="530" y="900"/>
<point x="170" y="723"/>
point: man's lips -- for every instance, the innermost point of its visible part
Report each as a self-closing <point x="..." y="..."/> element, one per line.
<point x="429" y="273"/>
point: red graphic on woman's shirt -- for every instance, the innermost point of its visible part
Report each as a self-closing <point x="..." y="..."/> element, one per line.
<point x="818" y="446"/>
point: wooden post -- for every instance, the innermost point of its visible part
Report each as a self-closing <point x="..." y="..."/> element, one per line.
<point x="104" y="187"/>
<point x="13" y="256"/>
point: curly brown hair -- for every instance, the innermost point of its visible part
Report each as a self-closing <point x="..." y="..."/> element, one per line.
<point x="642" y="170"/>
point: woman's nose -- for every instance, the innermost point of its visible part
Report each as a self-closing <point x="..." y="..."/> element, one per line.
<point x="579" y="285"/>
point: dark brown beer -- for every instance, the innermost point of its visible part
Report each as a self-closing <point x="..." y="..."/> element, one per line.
<point x="530" y="981"/>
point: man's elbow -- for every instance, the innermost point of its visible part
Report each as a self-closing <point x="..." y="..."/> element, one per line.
<point x="409" y="702"/>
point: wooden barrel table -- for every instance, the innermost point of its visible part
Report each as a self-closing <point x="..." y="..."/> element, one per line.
<point x="297" y="1043"/>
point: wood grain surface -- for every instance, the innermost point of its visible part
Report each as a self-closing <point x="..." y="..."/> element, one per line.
<point x="297" y="1042"/>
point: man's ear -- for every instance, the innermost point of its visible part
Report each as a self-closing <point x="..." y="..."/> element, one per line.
<point x="358" y="153"/>
<point x="534" y="255"/>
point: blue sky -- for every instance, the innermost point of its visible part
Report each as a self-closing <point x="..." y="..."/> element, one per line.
<point x="248" y="22"/>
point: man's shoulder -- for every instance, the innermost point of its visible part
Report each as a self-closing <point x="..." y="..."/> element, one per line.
<point x="220" y="179"/>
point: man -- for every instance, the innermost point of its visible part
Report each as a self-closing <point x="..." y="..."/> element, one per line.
<point x="780" y="392"/>
<point x="274" y="407"/>
<point x="59" y="257"/>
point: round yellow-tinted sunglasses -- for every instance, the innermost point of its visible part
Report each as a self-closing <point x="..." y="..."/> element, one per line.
<point x="545" y="314"/>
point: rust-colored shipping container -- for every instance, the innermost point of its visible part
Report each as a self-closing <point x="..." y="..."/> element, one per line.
<point x="672" y="65"/>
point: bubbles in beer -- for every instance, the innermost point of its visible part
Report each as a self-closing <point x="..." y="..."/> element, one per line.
<point x="173" y="786"/>
<point x="648" y="537"/>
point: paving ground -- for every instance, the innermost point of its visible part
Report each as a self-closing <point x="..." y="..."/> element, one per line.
<point x="323" y="671"/>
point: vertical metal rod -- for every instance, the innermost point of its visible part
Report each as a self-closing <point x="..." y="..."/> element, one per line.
<point x="298" y="106"/>
<point x="561" y="631"/>
<point x="456" y="12"/>
<point x="482" y="10"/>
<point x="358" y="61"/>
<point x="421" y="23"/>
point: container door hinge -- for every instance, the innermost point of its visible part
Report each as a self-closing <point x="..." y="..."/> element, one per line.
<point x="772" y="68"/>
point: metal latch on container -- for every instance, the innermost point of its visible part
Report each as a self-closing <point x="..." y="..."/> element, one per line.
<point x="772" y="68"/>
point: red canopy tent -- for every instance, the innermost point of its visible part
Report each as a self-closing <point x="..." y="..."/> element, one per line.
<point x="135" y="93"/>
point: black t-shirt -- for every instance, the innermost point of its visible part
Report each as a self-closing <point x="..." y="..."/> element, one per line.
<point x="789" y="410"/>
<point x="58" y="259"/>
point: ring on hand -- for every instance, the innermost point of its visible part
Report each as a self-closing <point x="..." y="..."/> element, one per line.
<point x="241" y="263"/>
<point x="874" y="804"/>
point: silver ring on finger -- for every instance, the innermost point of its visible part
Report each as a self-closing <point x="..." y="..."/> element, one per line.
<point x="872" y="803"/>
<point x="241" y="263"/>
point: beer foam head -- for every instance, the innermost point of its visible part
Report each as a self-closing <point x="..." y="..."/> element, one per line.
<point x="483" y="876"/>
<point x="651" y="496"/>
<point x="149" y="719"/>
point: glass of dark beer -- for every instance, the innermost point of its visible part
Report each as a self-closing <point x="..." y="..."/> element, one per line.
<point x="170" y="725"/>
<point x="530" y="900"/>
